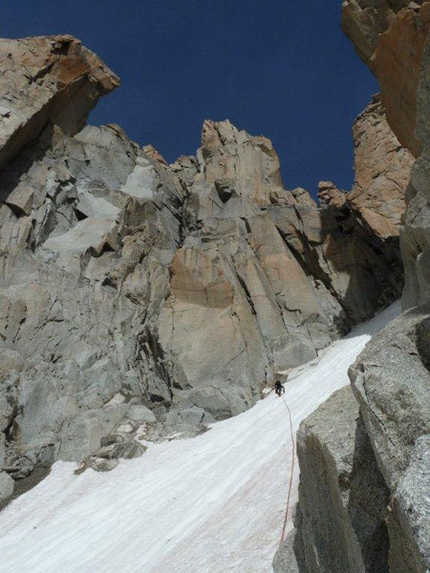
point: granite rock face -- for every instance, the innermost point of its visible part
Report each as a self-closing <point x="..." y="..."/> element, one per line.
<point x="401" y="64"/>
<point x="45" y="80"/>
<point x="382" y="170"/>
<point x="348" y="230"/>
<point x="140" y="299"/>
<point x="364" y="20"/>
<point x="415" y="238"/>
<point x="390" y="36"/>
<point x="397" y="64"/>
<point x="334" y="244"/>
<point x="391" y="380"/>
<point x="339" y="522"/>
<point x="398" y="36"/>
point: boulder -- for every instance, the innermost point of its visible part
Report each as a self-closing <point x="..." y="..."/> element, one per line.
<point x="140" y="413"/>
<point x="7" y="486"/>
<point x="82" y="435"/>
<point x="20" y="464"/>
<point x="285" y="559"/>
<point x="126" y="450"/>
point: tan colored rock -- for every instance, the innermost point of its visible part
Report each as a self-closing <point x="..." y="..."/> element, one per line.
<point x="151" y="152"/>
<point x="390" y="37"/>
<point x="274" y="281"/>
<point x="208" y="332"/>
<point x="382" y="168"/>
<point x="363" y="20"/>
<point x="238" y="163"/>
<point x="401" y="63"/>
<point x="290" y="285"/>
<point x="329" y="194"/>
<point x="194" y="279"/>
<point x="397" y="64"/>
<point x="46" y="80"/>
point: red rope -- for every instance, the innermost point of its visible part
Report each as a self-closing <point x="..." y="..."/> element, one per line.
<point x="290" y="486"/>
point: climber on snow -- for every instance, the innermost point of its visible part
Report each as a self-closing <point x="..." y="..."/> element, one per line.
<point x="279" y="389"/>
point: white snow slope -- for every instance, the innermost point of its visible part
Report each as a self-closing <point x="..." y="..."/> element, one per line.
<point x="211" y="504"/>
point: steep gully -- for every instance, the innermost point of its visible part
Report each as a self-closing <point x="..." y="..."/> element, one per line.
<point x="212" y="503"/>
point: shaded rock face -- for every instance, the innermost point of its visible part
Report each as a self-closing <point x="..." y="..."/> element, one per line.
<point x="382" y="170"/>
<point x="392" y="388"/>
<point x="128" y="284"/>
<point x="355" y="226"/>
<point x="391" y="380"/>
<point x="415" y="238"/>
<point x="339" y="522"/>
<point x="336" y="246"/>
<point x="364" y="463"/>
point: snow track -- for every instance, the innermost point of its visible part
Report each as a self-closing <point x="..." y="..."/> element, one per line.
<point x="211" y="504"/>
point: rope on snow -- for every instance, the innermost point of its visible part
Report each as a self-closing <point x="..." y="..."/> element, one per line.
<point x="290" y="486"/>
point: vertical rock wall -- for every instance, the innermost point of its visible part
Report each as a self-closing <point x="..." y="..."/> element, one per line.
<point x="391" y="381"/>
<point x="395" y="38"/>
<point x="342" y="496"/>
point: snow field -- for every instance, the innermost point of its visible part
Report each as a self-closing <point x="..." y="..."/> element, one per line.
<point x="211" y="504"/>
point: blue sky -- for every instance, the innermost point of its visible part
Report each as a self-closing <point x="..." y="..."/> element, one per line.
<point x="276" y="68"/>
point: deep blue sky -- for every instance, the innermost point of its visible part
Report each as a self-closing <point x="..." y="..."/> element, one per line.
<point x="273" y="67"/>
